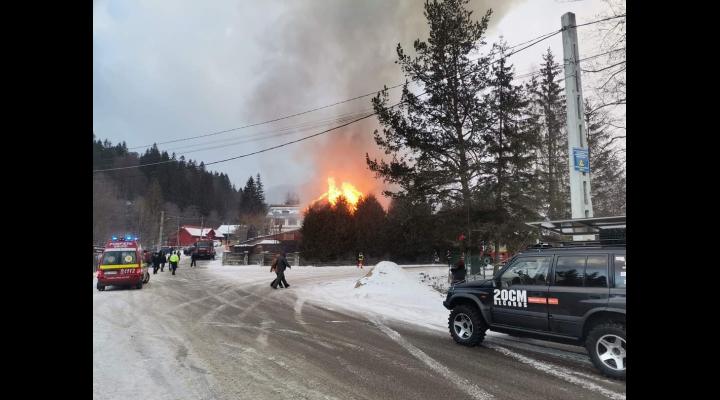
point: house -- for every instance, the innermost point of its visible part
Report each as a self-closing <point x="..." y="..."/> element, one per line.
<point x="188" y="235"/>
<point x="283" y="218"/>
<point x="268" y="245"/>
<point x="228" y="233"/>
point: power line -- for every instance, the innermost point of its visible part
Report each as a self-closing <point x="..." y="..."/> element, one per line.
<point x="265" y="122"/>
<point x="538" y="40"/>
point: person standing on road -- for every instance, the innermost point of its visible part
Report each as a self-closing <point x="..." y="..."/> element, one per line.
<point x="360" y="260"/>
<point x="280" y="271"/>
<point x="163" y="260"/>
<point x="458" y="271"/>
<point x="193" y="259"/>
<point x="174" y="262"/>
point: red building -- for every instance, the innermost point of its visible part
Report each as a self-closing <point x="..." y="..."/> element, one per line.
<point x="188" y="235"/>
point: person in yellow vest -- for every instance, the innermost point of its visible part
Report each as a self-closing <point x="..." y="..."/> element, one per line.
<point x="174" y="262"/>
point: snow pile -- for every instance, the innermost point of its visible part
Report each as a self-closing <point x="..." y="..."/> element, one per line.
<point x="386" y="291"/>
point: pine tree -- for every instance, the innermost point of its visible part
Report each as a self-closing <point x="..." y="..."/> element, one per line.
<point x="550" y="104"/>
<point x="607" y="172"/>
<point x="510" y="138"/>
<point x="369" y="226"/>
<point x="435" y="139"/>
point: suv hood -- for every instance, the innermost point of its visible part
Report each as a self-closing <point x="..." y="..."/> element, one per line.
<point x="483" y="283"/>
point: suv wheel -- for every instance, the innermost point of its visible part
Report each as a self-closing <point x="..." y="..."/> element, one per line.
<point x="139" y="284"/>
<point x="607" y="348"/>
<point x="466" y="325"/>
<point x="100" y="287"/>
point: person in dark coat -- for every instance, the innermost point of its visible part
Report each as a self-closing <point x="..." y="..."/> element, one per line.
<point x="193" y="258"/>
<point x="458" y="271"/>
<point x="163" y="260"/>
<point x="280" y="271"/>
<point x="273" y="268"/>
<point x="156" y="262"/>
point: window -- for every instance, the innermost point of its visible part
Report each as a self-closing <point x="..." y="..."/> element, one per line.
<point x="596" y="271"/>
<point x="119" y="258"/>
<point x="620" y="272"/>
<point x="527" y="271"/>
<point x="569" y="271"/>
<point x="292" y="221"/>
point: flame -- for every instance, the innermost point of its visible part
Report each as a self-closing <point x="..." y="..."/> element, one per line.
<point x="347" y="190"/>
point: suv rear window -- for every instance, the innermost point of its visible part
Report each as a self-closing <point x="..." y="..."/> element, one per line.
<point x="204" y="244"/>
<point x="620" y="272"/>
<point x="579" y="271"/>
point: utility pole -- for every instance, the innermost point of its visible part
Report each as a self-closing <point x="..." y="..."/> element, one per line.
<point x="581" y="203"/>
<point x="202" y="226"/>
<point x="162" y="219"/>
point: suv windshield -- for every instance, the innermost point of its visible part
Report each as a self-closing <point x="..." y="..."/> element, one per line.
<point x="203" y="244"/>
<point x="119" y="258"/>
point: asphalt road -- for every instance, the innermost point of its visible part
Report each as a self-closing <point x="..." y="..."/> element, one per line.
<point x="197" y="336"/>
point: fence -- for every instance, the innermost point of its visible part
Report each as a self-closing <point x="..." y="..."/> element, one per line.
<point x="230" y="258"/>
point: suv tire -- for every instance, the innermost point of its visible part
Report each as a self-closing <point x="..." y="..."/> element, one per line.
<point x="100" y="287"/>
<point x="139" y="284"/>
<point x="466" y="325"/>
<point x="606" y="344"/>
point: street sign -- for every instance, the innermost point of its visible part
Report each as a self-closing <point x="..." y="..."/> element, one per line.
<point x="582" y="160"/>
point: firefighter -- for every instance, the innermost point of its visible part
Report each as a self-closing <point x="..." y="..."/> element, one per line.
<point x="360" y="260"/>
<point x="174" y="262"/>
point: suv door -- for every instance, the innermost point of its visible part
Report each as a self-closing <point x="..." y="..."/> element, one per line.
<point x="579" y="284"/>
<point x="519" y="297"/>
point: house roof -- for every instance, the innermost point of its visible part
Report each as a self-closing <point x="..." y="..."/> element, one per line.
<point x="225" y="229"/>
<point x="197" y="232"/>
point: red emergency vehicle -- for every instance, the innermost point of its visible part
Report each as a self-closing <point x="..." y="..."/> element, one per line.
<point x="122" y="264"/>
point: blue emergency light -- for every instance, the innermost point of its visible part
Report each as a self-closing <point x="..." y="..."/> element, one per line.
<point x="128" y="237"/>
<point x="114" y="238"/>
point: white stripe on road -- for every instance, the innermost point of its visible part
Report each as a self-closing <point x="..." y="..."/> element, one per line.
<point x="557" y="371"/>
<point x="467" y="386"/>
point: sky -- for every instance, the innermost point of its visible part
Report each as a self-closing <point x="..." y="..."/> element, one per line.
<point x="170" y="69"/>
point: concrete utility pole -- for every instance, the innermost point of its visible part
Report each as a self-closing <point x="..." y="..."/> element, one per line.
<point x="580" y="200"/>
<point x="162" y="219"/>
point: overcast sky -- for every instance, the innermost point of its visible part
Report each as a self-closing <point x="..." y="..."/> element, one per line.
<point x="171" y="69"/>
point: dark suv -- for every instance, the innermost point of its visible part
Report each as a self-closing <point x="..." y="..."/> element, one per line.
<point x="571" y="295"/>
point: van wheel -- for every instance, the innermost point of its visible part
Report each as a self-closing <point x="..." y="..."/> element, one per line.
<point x="147" y="277"/>
<point x="100" y="287"/>
<point x="606" y="345"/>
<point x="466" y="325"/>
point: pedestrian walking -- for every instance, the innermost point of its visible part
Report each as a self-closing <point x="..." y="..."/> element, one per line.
<point x="282" y="264"/>
<point x="273" y="268"/>
<point x="174" y="259"/>
<point x="156" y="262"/>
<point x="163" y="260"/>
<point x="360" y="260"/>
<point x="193" y="259"/>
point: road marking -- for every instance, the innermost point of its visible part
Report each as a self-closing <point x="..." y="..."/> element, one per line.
<point x="467" y="386"/>
<point x="557" y="371"/>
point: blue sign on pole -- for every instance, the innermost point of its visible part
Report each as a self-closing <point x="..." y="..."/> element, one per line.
<point x="582" y="160"/>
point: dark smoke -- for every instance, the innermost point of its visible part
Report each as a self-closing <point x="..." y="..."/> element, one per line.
<point x="320" y="51"/>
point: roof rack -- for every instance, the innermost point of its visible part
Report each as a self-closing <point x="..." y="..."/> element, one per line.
<point x="584" y="243"/>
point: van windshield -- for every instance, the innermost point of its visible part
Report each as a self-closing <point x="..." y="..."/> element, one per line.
<point x="119" y="258"/>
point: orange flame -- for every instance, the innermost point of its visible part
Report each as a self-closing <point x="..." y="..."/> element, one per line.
<point x="347" y="190"/>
